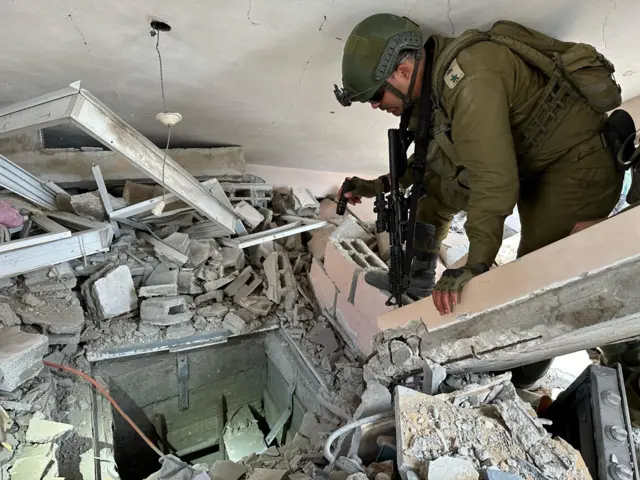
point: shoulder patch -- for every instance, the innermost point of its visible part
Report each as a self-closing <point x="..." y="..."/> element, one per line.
<point x="453" y="74"/>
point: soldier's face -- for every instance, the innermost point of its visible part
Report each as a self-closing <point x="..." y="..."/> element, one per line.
<point x="400" y="79"/>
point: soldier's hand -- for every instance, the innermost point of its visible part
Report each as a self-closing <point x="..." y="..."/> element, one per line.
<point x="350" y="196"/>
<point x="447" y="292"/>
<point x="361" y="188"/>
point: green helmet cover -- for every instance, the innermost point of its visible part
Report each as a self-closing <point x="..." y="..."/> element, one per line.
<point x="371" y="54"/>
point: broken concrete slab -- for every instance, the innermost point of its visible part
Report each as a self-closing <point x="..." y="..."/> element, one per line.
<point x="221" y="282"/>
<point x="216" y="310"/>
<point x="47" y="281"/>
<point x="249" y="215"/>
<point x="306" y="205"/>
<point x="188" y="283"/>
<point x="36" y="462"/>
<point x="44" y="431"/>
<point x="88" y="205"/>
<point x="20" y="356"/>
<point x="256" y="304"/>
<point x="158" y="290"/>
<point x="401" y="353"/>
<point x="166" y="252"/>
<point x="246" y="275"/>
<point x="267" y="474"/>
<point x="375" y="399"/>
<point x="450" y="468"/>
<point x="178" y="241"/>
<point x="180" y="330"/>
<point x="234" y="323"/>
<point x="323" y="335"/>
<point x="232" y="257"/>
<point x="215" y="296"/>
<point x="198" y="252"/>
<point x="318" y="243"/>
<point x="242" y="435"/>
<point x="226" y="470"/>
<point x="114" y="294"/>
<point x="57" y="315"/>
<point x="350" y="229"/>
<point x="162" y="275"/>
<point x="8" y="318"/>
<point x="165" y="311"/>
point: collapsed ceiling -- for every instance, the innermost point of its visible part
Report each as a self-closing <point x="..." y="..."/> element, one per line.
<point x="260" y="73"/>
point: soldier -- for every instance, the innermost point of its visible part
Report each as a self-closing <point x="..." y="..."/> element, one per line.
<point x="505" y="134"/>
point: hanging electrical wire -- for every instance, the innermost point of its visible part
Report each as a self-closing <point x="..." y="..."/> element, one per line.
<point x="169" y="119"/>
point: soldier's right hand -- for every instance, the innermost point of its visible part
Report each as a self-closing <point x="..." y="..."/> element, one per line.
<point x="359" y="188"/>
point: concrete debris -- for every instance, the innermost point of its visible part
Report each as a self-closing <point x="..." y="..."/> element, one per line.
<point x="188" y="283"/>
<point x="165" y="311"/>
<point x="215" y="296"/>
<point x="249" y="215"/>
<point x="20" y="356"/>
<point x="56" y="316"/>
<point x="180" y="330"/>
<point x="162" y="275"/>
<point x="352" y="229"/>
<point x="216" y="284"/>
<point x="234" y="323"/>
<point x="400" y="352"/>
<point x="114" y="294"/>
<point x="36" y="462"/>
<point x="375" y="399"/>
<point x="255" y="304"/>
<point x="324" y="336"/>
<point x="281" y="282"/>
<point x="45" y="431"/>
<point x="198" y="252"/>
<point x="8" y="318"/>
<point x="226" y="470"/>
<point x="232" y="257"/>
<point x="305" y="204"/>
<point x="242" y="436"/>
<point x="450" y="468"/>
<point x="257" y="194"/>
<point x="267" y="474"/>
<point x="167" y="253"/>
<point x="88" y="205"/>
<point x="213" y="311"/>
<point x="58" y="279"/>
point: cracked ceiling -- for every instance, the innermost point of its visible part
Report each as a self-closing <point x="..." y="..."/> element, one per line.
<point x="260" y="73"/>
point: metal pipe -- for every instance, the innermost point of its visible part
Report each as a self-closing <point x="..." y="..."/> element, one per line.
<point x="350" y="426"/>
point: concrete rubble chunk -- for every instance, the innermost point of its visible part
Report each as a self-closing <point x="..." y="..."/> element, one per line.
<point x="178" y="241"/>
<point x="375" y="399"/>
<point x="450" y="468"/>
<point x="88" y="205"/>
<point x="165" y="311"/>
<point x="358" y="476"/>
<point x="215" y="296"/>
<point x="454" y="248"/>
<point x="249" y="215"/>
<point x="256" y="304"/>
<point x="180" y="330"/>
<point x="226" y="470"/>
<point x="36" y="462"/>
<point x="400" y="352"/>
<point x="221" y="282"/>
<point x="306" y="205"/>
<point x="198" y="252"/>
<point x="114" y="294"/>
<point x="234" y="323"/>
<point x="351" y="228"/>
<point x="433" y="375"/>
<point x="495" y="474"/>
<point x="20" y="356"/>
<point x="167" y="253"/>
<point x="162" y="275"/>
<point x="233" y="257"/>
<point x="8" y="318"/>
<point x="281" y="281"/>
<point x="234" y="287"/>
<point x="323" y="335"/>
<point x="56" y="315"/>
<point x="57" y="279"/>
<point x="158" y="290"/>
<point x="44" y="431"/>
<point x="216" y="310"/>
<point x="188" y="283"/>
<point x="242" y="435"/>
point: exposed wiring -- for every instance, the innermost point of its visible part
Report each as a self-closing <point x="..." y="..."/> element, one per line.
<point x="164" y="102"/>
<point x="99" y="388"/>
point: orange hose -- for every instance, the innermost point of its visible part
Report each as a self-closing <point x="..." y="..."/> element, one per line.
<point x="98" y="387"/>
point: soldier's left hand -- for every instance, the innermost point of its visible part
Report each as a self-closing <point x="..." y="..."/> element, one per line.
<point x="448" y="289"/>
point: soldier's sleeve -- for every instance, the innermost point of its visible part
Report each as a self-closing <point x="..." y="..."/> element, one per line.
<point x="481" y="133"/>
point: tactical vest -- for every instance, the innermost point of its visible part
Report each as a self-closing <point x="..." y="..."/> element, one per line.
<point x="575" y="72"/>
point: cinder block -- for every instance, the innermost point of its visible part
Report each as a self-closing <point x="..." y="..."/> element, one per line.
<point x="281" y="281"/>
<point x="323" y="288"/>
<point x="344" y="259"/>
<point x="318" y="243"/>
<point x="20" y="356"/>
<point x="114" y="294"/>
<point x="359" y="328"/>
<point x="165" y="310"/>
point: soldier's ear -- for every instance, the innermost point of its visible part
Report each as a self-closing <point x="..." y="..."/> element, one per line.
<point x="404" y="70"/>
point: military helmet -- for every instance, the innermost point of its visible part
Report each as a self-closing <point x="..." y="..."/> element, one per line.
<point x="371" y="54"/>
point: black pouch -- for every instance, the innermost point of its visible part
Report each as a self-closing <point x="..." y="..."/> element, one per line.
<point x="619" y="128"/>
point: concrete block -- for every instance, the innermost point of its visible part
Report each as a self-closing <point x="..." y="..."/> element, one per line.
<point x="281" y="281"/>
<point x="198" y="252"/>
<point x="306" y="205"/>
<point x="453" y="248"/>
<point x="158" y="290"/>
<point x="356" y="326"/>
<point x="248" y="288"/>
<point x="162" y="275"/>
<point x="232" y="257"/>
<point x="178" y="241"/>
<point x="249" y="215"/>
<point x="44" y="431"/>
<point x="350" y="229"/>
<point x="20" y="356"/>
<point x="88" y="205"/>
<point x="267" y="474"/>
<point x="255" y="304"/>
<point x="188" y="283"/>
<point x="368" y="300"/>
<point x="226" y="470"/>
<point x="323" y="288"/>
<point x="219" y="283"/>
<point x="215" y="296"/>
<point x="234" y="323"/>
<point x="8" y="318"/>
<point x="59" y="278"/>
<point x="217" y="310"/>
<point x="344" y="259"/>
<point x="114" y="294"/>
<point x="256" y="194"/>
<point x="56" y="315"/>
<point x="451" y="468"/>
<point x="165" y="310"/>
<point x="318" y="243"/>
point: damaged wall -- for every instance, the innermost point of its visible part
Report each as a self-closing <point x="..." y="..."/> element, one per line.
<point x="221" y="58"/>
